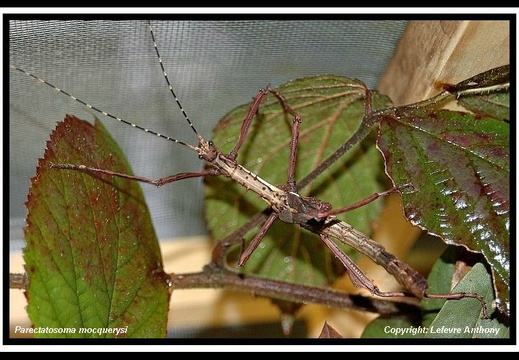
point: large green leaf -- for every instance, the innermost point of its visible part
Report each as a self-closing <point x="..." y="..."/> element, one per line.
<point x="458" y="165"/>
<point x="331" y="108"/>
<point x="92" y="258"/>
<point x="449" y="319"/>
<point x="464" y="318"/>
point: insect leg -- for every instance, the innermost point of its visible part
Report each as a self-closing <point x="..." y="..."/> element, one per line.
<point x="246" y="123"/>
<point x="257" y="239"/>
<point x="360" y="203"/>
<point x="158" y="182"/>
<point x="459" y="296"/>
<point x="357" y="276"/>
<point x="294" y="141"/>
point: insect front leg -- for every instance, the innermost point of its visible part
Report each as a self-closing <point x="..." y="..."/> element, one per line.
<point x="294" y="141"/>
<point x="157" y="182"/>
<point x="246" y="123"/>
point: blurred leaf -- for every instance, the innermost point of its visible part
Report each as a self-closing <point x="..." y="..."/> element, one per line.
<point x="459" y="167"/>
<point x="92" y="258"/>
<point x="331" y="108"/>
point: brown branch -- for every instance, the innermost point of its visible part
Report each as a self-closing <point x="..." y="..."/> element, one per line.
<point x="17" y="281"/>
<point x="214" y="276"/>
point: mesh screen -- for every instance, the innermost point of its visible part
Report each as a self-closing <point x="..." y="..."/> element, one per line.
<point x="214" y="66"/>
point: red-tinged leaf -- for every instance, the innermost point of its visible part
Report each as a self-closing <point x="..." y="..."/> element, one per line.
<point x="458" y="166"/>
<point x="328" y="332"/>
<point x="92" y="258"/>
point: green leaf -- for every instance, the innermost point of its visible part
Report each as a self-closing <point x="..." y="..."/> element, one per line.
<point x="486" y="93"/>
<point x="495" y="105"/>
<point x="331" y="109"/>
<point x="396" y="327"/>
<point x="92" y="258"/>
<point x="448" y="318"/>
<point x="440" y="281"/>
<point x="463" y="318"/>
<point x="458" y="166"/>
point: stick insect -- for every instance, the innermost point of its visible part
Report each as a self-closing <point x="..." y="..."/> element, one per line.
<point x="285" y="202"/>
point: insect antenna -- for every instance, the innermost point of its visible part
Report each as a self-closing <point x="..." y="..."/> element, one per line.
<point x="166" y="77"/>
<point x="43" y="81"/>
